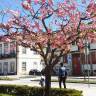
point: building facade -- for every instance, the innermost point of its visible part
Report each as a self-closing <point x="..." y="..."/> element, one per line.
<point x="84" y="62"/>
<point x="16" y="59"/>
<point x="80" y="63"/>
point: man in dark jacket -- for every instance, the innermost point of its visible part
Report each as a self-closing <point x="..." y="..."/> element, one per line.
<point x="62" y="75"/>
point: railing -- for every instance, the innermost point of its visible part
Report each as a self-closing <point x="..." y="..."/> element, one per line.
<point x="10" y="55"/>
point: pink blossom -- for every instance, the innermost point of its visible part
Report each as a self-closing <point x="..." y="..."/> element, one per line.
<point x="26" y="5"/>
<point x="50" y="2"/>
<point x="29" y="1"/>
<point x="14" y="13"/>
<point x="36" y="1"/>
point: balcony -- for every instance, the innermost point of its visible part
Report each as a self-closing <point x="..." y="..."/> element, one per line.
<point x="10" y="55"/>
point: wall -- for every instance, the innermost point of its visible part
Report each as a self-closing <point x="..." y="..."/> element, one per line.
<point x="32" y="60"/>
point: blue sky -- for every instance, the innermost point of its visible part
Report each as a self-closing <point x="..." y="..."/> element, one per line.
<point x="16" y="5"/>
<point x="11" y="4"/>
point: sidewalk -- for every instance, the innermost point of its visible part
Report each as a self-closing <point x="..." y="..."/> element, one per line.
<point x="82" y="77"/>
<point x="87" y="91"/>
<point x="53" y="77"/>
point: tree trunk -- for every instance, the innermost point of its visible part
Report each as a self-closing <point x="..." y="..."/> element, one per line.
<point x="47" y="81"/>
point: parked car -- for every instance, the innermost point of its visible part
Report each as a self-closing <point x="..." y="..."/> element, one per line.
<point x="34" y="72"/>
<point x="53" y="73"/>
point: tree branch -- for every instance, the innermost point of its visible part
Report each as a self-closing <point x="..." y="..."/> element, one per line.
<point x="42" y="52"/>
<point x="43" y="22"/>
<point x="57" y="58"/>
<point x="52" y="55"/>
<point x="47" y="48"/>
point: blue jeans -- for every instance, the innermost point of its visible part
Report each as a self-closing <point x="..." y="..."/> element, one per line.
<point x="62" y="79"/>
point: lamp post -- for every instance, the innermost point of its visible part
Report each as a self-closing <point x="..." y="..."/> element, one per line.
<point x="86" y="57"/>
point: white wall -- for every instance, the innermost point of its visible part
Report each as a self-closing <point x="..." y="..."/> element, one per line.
<point x="30" y="58"/>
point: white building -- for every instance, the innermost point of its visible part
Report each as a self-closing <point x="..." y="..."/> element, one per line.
<point x="15" y="59"/>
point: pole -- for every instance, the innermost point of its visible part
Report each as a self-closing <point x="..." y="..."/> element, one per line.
<point x="91" y="65"/>
<point x="86" y="58"/>
<point x="84" y="67"/>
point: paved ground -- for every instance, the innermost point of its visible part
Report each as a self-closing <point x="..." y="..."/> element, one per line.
<point x="88" y="90"/>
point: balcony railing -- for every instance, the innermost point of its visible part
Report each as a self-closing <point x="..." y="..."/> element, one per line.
<point x="10" y="55"/>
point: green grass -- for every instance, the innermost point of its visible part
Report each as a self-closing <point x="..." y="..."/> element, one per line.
<point x="77" y="81"/>
<point x="7" y="78"/>
<point x="5" y="95"/>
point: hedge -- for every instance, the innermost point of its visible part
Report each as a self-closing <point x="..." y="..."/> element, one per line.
<point x="36" y="91"/>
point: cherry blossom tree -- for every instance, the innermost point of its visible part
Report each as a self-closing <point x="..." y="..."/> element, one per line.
<point x="50" y="27"/>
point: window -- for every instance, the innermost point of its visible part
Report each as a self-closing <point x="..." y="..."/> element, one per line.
<point x="93" y="56"/>
<point x="35" y="65"/>
<point x="0" y="49"/>
<point x="12" y="47"/>
<point x="23" y="50"/>
<point x="5" y="67"/>
<point x="12" y="66"/>
<point x="23" y="66"/>
<point x="5" y="48"/>
<point x="0" y="67"/>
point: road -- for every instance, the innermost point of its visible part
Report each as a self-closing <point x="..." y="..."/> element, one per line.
<point x="87" y="90"/>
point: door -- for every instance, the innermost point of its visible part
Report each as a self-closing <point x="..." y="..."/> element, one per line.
<point x="76" y="64"/>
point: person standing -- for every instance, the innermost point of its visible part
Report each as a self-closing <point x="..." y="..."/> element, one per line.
<point x="62" y="75"/>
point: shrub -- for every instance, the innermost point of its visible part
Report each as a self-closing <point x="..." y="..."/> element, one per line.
<point x="36" y="91"/>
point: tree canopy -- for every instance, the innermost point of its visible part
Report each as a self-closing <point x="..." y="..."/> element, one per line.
<point x="61" y="23"/>
<point x="52" y="25"/>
